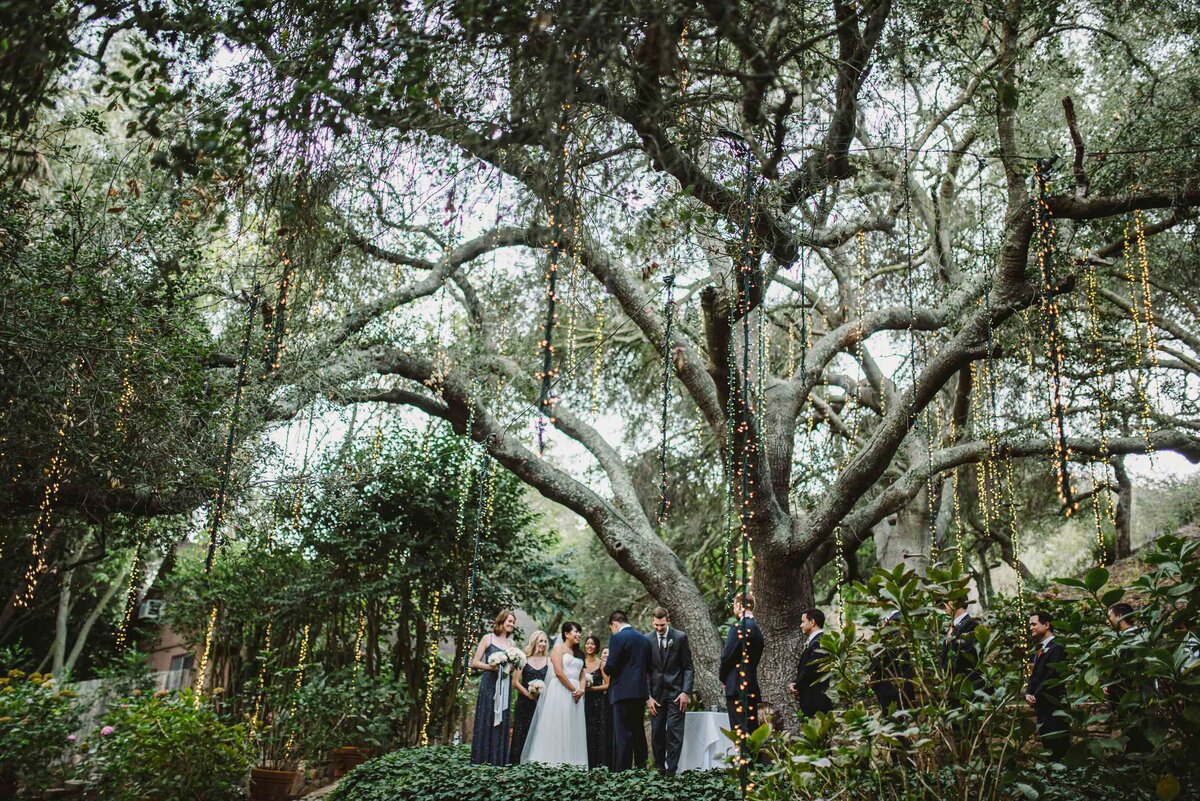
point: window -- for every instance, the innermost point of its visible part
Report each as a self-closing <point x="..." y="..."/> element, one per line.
<point x="179" y="675"/>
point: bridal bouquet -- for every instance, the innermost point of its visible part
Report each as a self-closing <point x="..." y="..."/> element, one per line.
<point x="536" y="686"/>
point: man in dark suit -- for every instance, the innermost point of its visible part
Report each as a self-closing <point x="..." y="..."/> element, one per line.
<point x="1129" y="693"/>
<point x="671" y="678"/>
<point x="892" y="668"/>
<point x="1043" y="691"/>
<point x="628" y="669"/>
<point x="811" y="683"/>
<point x="739" y="666"/>
<point x="960" y="653"/>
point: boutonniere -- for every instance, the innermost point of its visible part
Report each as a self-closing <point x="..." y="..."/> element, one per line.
<point x="670" y="642"/>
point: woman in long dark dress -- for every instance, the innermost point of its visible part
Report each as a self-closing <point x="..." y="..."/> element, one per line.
<point x="535" y="670"/>
<point x="596" y="708"/>
<point x="489" y="743"/>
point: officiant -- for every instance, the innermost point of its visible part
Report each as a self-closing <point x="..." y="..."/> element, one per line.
<point x="671" y="679"/>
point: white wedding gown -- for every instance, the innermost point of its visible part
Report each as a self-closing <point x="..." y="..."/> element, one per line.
<point x="558" y="732"/>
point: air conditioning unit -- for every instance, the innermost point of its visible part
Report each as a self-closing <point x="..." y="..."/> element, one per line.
<point x="150" y="610"/>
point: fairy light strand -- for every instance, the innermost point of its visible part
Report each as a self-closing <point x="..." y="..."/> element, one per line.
<point x="301" y="665"/>
<point x="431" y="671"/>
<point x="598" y="353"/>
<point x="1049" y="308"/>
<point x="668" y="317"/>
<point x="130" y="599"/>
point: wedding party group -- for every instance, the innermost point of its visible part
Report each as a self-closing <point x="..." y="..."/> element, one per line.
<point x="579" y="702"/>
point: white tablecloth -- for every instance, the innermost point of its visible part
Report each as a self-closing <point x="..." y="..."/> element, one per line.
<point x="704" y="745"/>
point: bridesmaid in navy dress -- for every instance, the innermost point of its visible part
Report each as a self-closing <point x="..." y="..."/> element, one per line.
<point x="596" y="709"/>
<point x="489" y="744"/>
<point x="535" y="670"/>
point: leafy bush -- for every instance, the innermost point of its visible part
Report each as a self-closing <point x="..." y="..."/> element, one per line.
<point x="959" y="742"/>
<point x="349" y="707"/>
<point x="166" y="746"/>
<point x="444" y="774"/>
<point x="36" y="721"/>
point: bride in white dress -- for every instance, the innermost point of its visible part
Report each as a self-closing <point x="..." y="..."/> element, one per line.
<point x="558" y="732"/>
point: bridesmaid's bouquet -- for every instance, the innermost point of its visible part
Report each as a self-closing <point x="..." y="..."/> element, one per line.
<point x="516" y="658"/>
<point x="509" y="658"/>
<point x="536" y="686"/>
<point x="588" y="679"/>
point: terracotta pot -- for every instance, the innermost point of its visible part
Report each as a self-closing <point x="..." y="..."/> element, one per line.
<point x="271" y="785"/>
<point x="347" y="758"/>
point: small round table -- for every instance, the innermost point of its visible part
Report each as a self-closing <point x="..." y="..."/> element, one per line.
<point x="705" y="746"/>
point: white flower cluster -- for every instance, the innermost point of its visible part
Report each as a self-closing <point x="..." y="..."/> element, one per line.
<point x="536" y="686"/>
<point x="510" y="657"/>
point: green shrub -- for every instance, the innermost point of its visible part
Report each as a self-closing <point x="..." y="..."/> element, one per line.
<point x="444" y="774"/>
<point x="348" y="707"/>
<point x="167" y="746"/>
<point x="956" y="743"/>
<point x="36" y="721"/>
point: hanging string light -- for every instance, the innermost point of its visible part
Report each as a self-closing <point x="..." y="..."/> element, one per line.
<point x="130" y="598"/>
<point x="744" y="431"/>
<point x="1099" y="496"/>
<point x="1151" y="339"/>
<point x="668" y="317"/>
<point x="359" y="636"/>
<point x="598" y="352"/>
<point x="127" y="393"/>
<point x="264" y="660"/>
<point x="548" y="373"/>
<point x="465" y="473"/>
<point x="1044" y="232"/>
<point x="1014" y="533"/>
<point x="431" y="671"/>
<point x="205" y="655"/>
<point x="576" y="226"/>
<point x="301" y="665"/>
<point x="1139" y="227"/>
<point x="957" y="521"/>
<point x="52" y="477"/>
<point x="729" y="461"/>
<point x="987" y="406"/>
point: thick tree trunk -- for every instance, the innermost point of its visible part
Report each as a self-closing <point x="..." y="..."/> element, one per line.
<point x="782" y="591"/>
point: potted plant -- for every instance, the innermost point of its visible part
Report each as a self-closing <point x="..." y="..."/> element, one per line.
<point x="279" y="739"/>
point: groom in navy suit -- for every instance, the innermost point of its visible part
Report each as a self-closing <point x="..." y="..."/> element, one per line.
<point x="628" y="668"/>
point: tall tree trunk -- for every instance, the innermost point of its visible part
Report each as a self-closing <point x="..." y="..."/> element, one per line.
<point x="1122" y="545"/>
<point x="782" y="591"/>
